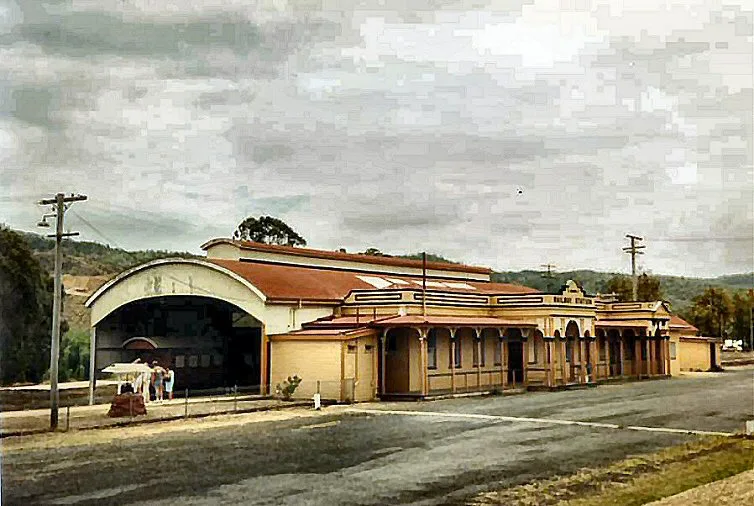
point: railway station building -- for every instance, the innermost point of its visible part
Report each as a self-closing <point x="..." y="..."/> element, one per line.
<point x="359" y="327"/>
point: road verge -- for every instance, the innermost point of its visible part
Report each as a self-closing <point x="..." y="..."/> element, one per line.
<point x="636" y="480"/>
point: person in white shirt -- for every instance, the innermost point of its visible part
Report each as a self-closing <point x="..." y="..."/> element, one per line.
<point x="146" y="380"/>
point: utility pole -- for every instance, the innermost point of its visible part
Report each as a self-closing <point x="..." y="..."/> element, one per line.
<point x="59" y="208"/>
<point x="424" y="284"/>
<point x="751" y="327"/>
<point x="634" y="250"/>
<point x="549" y="275"/>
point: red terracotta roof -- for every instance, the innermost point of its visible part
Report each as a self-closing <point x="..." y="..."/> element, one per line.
<point x="346" y="322"/>
<point x="677" y="322"/>
<point x="349" y="257"/>
<point x="291" y="282"/>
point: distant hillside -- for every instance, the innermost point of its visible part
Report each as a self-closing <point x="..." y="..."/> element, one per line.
<point x="676" y="289"/>
<point x="86" y="258"/>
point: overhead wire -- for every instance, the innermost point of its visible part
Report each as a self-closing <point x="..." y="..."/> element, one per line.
<point x="132" y="256"/>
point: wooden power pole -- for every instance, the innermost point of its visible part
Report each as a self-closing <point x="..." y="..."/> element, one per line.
<point x="59" y="208"/>
<point x="549" y="275"/>
<point x="634" y="250"/>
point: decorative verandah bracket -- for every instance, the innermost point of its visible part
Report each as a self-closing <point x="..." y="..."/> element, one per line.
<point x="550" y="344"/>
<point x="503" y="344"/>
<point x="478" y="344"/>
<point x="453" y="345"/>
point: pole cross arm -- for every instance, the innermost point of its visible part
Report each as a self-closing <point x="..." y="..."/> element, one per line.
<point x="71" y="198"/>
<point x="66" y="234"/>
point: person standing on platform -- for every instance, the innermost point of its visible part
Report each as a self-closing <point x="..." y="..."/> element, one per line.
<point x="169" y="382"/>
<point x="146" y="381"/>
<point x="159" y="376"/>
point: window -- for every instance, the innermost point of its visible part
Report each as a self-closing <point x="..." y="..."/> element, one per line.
<point x="602" y="343"/>
<point x="352" y="348"/>
<point x="643" y="351"/>
<point x="478" y="346"/>
<point x="497" y="356"/>
<point x="368" y="348"/>
<point x="672" y="351"/>
<point x="218" y="359"/>
<point x="180" y="361"/>
<point x="569" y="350"/>
<point x="432" y="350"/>
<point x="193" y="361"/>
<point x="205" y="360"/>
<point x="458" y="353"/>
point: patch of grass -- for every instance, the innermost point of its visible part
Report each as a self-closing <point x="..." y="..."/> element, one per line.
<point x="636" y="480"/>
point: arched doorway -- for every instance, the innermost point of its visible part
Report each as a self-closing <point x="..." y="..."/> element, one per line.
<point x="629" y="344"/>
<point x="572" y="344"/>
<point x="204" y="319"/>
<point x="208" y="342"/>
<point x="614" y="343"/>
<point x="514" y="337"/>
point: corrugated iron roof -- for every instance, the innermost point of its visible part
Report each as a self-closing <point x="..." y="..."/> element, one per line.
<point x="324" y="334"/>
<point x="676" y="322"/>
<point x="349" y="257"/>
<point x="291" y="282"/>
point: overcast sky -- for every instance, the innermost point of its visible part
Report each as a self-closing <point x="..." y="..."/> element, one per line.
<point x="504" y="133"/>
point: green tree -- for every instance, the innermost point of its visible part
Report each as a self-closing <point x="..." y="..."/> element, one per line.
<point x="268" y="230"/>
<point x="431" y="257"/>
<point x="741" y="318"/>
<point x="25" y="312"/>
<point x="648" y="288"/>
<point x="710" y="311"/>
<point x="74" y="356"/>
<point x="373" y="252"/>
<point x="620" y="285"/>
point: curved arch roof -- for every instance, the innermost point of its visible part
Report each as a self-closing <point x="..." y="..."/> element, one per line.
<point x="292" y="283"/>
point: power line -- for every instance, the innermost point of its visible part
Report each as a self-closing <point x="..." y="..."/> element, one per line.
<point x="138" y="260"/>
<point x="703" y="239"/>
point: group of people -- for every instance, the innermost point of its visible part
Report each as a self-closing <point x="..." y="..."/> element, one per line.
<point x="156" y="383"/>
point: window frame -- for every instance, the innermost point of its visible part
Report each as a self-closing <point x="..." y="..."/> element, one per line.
<point x="432" y="349"/>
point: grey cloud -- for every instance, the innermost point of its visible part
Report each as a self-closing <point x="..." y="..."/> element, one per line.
<point x="420" y="146"/>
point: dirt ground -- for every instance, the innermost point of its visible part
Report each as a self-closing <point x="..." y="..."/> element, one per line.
<point x="733" y="491"/>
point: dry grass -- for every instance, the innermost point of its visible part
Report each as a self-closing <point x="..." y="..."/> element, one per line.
<point x="636" y="480"/>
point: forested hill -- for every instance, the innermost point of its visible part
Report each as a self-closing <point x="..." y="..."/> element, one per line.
<point x="86" y="258"/>
<point x="675" y="289"/>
